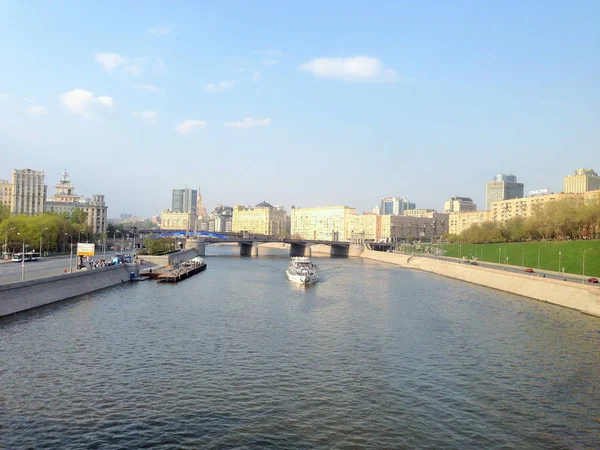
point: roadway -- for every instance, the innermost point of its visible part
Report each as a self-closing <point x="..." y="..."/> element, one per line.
<point x="10" y="272"/>
<point x="569" y="277"/>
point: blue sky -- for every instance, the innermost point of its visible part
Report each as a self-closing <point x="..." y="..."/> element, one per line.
<point x="299" y="103"/>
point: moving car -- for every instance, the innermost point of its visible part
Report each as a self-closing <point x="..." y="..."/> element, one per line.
<point x="592" y="280"/>
<point x="529" y="270"/>
<point x="474" y="263"/>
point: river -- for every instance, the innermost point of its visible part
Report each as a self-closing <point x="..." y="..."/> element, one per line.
<point x="373" y="356"/>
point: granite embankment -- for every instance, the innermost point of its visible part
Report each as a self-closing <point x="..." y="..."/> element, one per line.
<point x="584" y="298"/>
<point x="15" y="297"/>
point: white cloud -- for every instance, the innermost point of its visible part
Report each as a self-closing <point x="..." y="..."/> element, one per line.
<point x="148" y="116"/>
<point x="257" y="75"/>
<point x="147" y="87"/>
<point x="79" y="101"/>
<point x="36" y="110"/>
<point x="270" y="62"/>
<point x="188" y="125"/>
<point x="359" y="68"/>
<point x="249" y="123"/>
<point x="159" y="30"/>
<point x="112" y="62"/>
<point x="220" y="86"/>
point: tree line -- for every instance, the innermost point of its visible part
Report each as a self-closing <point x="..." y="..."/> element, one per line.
<point x="56" y="231"/>
<point x="559" y="220"/>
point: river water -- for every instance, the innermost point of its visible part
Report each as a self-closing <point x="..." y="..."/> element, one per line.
<point x="373" y="356"/>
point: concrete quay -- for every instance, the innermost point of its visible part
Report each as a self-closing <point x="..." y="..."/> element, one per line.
<point x="16" y="297"/>
<point x="584" y="298"/>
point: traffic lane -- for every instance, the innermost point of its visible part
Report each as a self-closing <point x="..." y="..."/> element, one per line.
<point x="45" y="267"/>
<point x="515" y="269"/>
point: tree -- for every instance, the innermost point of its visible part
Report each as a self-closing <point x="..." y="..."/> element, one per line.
<point x="4" y="212"/>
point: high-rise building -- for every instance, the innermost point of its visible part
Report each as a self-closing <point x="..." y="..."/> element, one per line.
<point x="322" y="223"/>
<point x="28" y="192"/>
<point x="184" y="200"/>
<point x="459" y="204"/>
<point x="263" y="219"/>
<point x="200" y="207"/>
<point x="581" y="181"/>
<point x="65" y="200"/>
<point x="395" y="205"/>
<point x="504" y="187"/>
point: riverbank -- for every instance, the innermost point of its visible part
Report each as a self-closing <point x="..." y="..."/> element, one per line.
<point x="16" y="297"/>
<point x="582" y="298"/>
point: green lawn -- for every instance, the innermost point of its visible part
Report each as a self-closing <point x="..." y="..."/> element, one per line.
<point x="526" y="253"/>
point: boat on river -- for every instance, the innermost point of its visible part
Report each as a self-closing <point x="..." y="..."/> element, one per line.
<point x="302" y="271"/>
<point x="178" y="272"/>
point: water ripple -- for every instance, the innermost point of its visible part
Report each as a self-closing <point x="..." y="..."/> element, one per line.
<point x="235" y="357"/>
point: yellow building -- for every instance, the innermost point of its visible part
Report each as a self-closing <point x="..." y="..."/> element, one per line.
<point x="263" y="219"/>
<point x="325" y="223"/>
<point x="505" y="210"/>
<point x="177" y="220"/>
<point x="591" y="196"/>
<point x="459" y="222"/>
<point x="581" y="181"/>
<point x="6" y="193"/>
<point x="419" y="213"/>
<point x="367" y="225"/>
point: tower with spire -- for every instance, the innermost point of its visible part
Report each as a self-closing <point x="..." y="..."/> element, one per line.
<point x="200" y="208"/>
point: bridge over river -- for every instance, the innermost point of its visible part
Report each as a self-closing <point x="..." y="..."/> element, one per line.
<point x="248" y="243"/>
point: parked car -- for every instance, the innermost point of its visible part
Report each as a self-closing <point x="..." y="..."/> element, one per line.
<point x="592" y="280"/>
<point x="529" y="270"/>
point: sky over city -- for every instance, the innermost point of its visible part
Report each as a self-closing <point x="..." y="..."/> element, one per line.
<point x="298" y="103"/>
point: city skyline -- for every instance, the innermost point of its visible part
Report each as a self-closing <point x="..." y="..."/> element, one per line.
<point x="301" y="104"/>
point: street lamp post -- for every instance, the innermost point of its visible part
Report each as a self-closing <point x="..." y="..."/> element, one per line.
<point x="41" y="231"/>
<point x="523" y="259"/>
<point x="6" y="239"/>
<point x="71" y="254"/>
<point x="499" y="255"/>
<point x="115" y="236"/>
<point x="559" y="255"/>
<point x="22" y="258"/>
<point x="539" y="249"/>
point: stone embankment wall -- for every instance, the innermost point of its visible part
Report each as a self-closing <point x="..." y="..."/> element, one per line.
<point x="172" y="258"/>
<point x="15" y="297"/>
<point x="584" y="298"/>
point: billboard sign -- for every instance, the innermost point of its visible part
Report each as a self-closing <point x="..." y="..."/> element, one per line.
<point x="85" y="249"/>
<point x="538" y="192"/>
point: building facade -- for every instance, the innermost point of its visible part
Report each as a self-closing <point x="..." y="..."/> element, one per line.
<point x="459" y="204"/>
<point x="581" y="181"/>
<point x="184" y="200"/>
<point x="504" y="187"/>
<point x="324" y="223"/>
<point x="263" y="219"/>
<point x="366" y="225"/>
<point x="28" y="192"/>
<point x="200" y="207"/>
<point x="427" y="212"/>
<point x="65" y="200"/>
<point x="406" y="228"/>
<point x="395" y="205"/>
<point x="6" y="193"/>
<point x="172" y="220"/>
<point x="505" y="210"/>
<point x="459" y="222"/>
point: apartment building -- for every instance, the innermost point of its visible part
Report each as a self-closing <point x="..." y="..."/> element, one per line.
<point x="322" y="223"/>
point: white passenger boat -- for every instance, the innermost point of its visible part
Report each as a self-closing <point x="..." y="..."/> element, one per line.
<point x="302" y="271"/>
